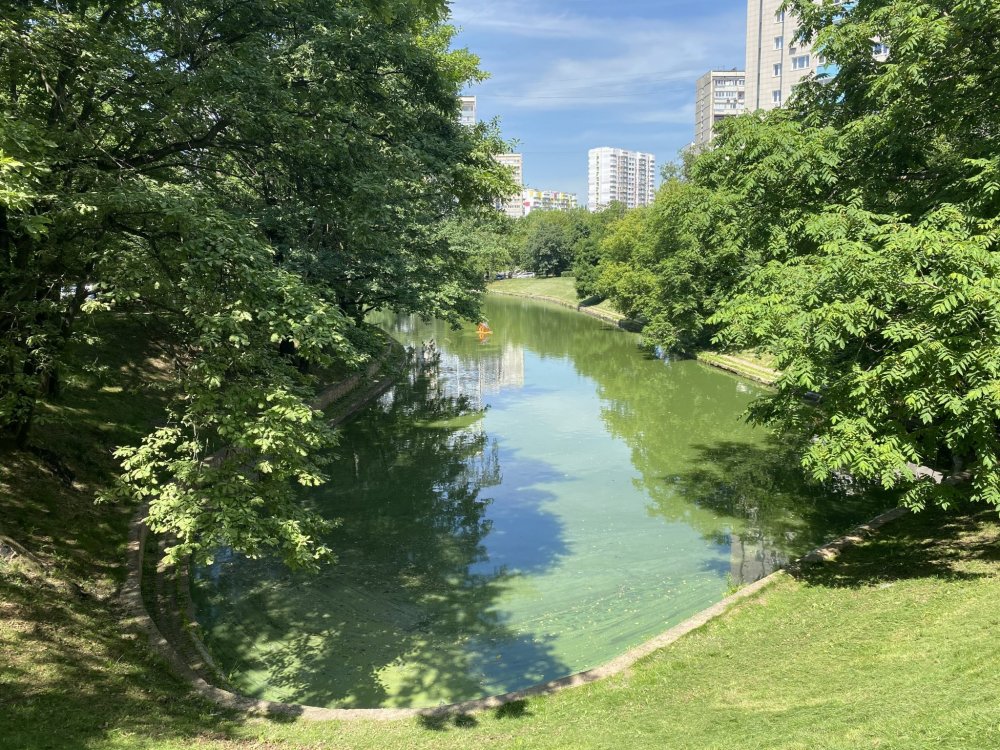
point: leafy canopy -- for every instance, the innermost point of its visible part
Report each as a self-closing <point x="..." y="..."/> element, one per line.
<point x="258" y="175"/>
<point x="853" y="234"/>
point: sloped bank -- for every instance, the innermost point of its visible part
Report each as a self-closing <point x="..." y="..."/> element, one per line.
<point x="171" y="633"/>
<point x="180" y="647"/>
<point x="740" y="366"/>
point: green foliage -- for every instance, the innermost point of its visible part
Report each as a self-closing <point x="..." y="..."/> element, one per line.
<point x="587" y="250"/>
<point x="853" y="235"/>
<point x="667" y="264"/>
<point x="552" y="242"/>
<point x="259" y="175"/>
<point x="486" y="238"/>
<point x="883" y="296"/>
<point x="546" y="249"/>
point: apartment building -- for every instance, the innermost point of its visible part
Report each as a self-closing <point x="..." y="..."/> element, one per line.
<point x="547" y="200"/>
<point x="618" y="175"/>
<point x="513" y="205"/>
<point x="467" y="114"/>
<point x="776" y="63"/>
<point x="718" y="94"/>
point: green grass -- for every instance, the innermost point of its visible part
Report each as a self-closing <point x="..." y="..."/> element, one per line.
<point x="560" y="288"/>
<point x="894" y="645"/>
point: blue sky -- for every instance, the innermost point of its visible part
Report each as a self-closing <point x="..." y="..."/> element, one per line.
<point x="570" y="75"/>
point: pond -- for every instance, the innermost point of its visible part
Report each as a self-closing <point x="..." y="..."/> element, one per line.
<point x="532" y="505"/>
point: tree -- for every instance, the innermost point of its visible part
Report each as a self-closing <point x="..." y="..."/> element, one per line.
<point x="587" y="249"/>
<point x="669" y="265"/>
<point x="882" y="297"/>
<point x="259" y="174"/>
<point x="546" y="248"/>
<point x="485" y="237"/>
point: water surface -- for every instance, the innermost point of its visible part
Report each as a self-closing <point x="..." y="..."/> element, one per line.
<point x="533" y="505"/>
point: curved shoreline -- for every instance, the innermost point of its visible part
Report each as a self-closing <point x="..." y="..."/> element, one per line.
<point x="619" y="320"/>
<point x="133" y="601"/>
<point x="723" y="362"/>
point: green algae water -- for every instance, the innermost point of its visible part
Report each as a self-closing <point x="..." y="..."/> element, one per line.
<point x="526" y="506"/>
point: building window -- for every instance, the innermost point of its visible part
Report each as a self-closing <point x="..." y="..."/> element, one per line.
<point x="879" y="49"/>
<point x="779" y="17"/>
<point x="800" y="63"/>
<point x="777" y="70"/>
<point x="779" y="42"/>
<point x="776" y="96"/>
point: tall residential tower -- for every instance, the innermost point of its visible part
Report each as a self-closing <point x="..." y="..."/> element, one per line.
<point x="513" y="205"/>
<point x="628" y="177"/>
<point x="720" y="94"/>
<point x="775" y="62"/>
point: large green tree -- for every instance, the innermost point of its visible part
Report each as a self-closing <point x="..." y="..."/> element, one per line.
<point x="853" y="234"/>
<point x="545" y="242"/>
<point x="882" y="297"/>
<point x="259" y="174"/>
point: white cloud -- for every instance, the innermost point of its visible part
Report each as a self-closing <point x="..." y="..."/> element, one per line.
<point x="598" y="61"/>
<point x="518" y="18"/>
<point x="680" y="115"/>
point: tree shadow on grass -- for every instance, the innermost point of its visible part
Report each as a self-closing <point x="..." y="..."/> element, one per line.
<point x="960" y="545"/>
<point x="442" y="722"/>
<point x="70" y="676"/>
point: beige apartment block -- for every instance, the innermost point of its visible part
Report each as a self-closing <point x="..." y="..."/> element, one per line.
<point x="719" y="94"/>
<point x="622" y="176"/>
<point x="775" y="62"/>
<point x="513" y="205"/>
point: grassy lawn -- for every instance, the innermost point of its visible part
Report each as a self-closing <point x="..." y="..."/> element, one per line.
<point x="556" y="287"/>
<point x="894" y="645"/>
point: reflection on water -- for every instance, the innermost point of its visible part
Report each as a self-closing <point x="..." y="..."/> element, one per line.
<point x="532" y="504"/>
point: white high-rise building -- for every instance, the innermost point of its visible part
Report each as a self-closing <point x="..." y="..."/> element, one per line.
<point x="513" y="205"/>
<point x="467" y="115"/>
<point x="618" y="175"/>
<point x="719" y="94"/>
<point x="775" y="61"/>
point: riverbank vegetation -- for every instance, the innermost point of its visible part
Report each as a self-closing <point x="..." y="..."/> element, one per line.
<point x="852" y="236"/>
<point x="560" y="289"/>
<point x="889" y="646"/>
<point x="258" y="176"/>
<point x="199" y="202"/>
<point x="545" y="243"/>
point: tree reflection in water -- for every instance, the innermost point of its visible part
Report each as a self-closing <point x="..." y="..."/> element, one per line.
<point x="696" y="461"/>
<point x="614" y="495"/>
<point x="405" y="617"/>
